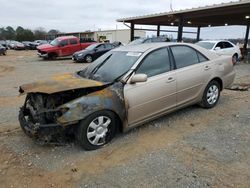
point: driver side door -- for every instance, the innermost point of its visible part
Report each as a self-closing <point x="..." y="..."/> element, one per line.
<point x="152" y="98"/>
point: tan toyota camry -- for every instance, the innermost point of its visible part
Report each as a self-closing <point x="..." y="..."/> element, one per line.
<point x="124" y="88"/>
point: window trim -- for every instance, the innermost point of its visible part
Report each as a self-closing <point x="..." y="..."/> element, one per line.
<point x="170" y="61"/>
<point x="197" y="51"/>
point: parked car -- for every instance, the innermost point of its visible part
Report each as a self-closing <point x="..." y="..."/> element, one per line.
<point x="149" y="40"/>
<point x="40" y="42"/>
<point x="222" y="48"/>
<point x="122" y="89"/>
<point x="61" y="46"/>
<point x="92" y="52"/>
<point x="4" y="43"/>
<point x="19" y="46"/>
<point x="3" y="50"/>
<point x="11" y="44"/>
<point x="30" y="45"/>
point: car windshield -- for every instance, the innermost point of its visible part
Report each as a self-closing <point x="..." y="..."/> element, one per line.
<point x="55" y="42"/>
<point x="92" y="47"/>
<point x="207" y="45"/>
<point x="137" y="41"/>
<point x="110" y="66"/>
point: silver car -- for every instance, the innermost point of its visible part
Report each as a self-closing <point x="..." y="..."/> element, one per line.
<point x="122" y="89"/>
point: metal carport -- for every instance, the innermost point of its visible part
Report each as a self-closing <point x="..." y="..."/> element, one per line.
<point x="233" y="13"/>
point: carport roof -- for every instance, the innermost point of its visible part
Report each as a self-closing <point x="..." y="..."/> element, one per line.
<point x="233" y="13"/>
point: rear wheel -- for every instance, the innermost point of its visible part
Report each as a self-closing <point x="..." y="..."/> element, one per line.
<point x="211" y="95"/>
<point x="96" y="130"/>
<point x="88" y="58"/>
<point x="235" y="59"/>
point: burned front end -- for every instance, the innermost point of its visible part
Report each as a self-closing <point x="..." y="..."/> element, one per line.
<point x="54" y="117"/>
<point x="38" y="116"/>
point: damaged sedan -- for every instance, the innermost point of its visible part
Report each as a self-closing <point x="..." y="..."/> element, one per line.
<point x="122" y="89"/>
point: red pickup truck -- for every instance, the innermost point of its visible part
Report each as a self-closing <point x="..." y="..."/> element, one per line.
<point x="61" y="47"/>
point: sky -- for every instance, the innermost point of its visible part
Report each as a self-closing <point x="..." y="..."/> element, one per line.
<point x="82" y="15"/>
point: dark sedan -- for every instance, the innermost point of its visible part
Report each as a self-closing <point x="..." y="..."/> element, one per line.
<point x="3" y="50"/>
<point x="92" y="52"/>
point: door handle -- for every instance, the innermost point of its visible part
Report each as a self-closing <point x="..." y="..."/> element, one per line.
<point x="207" y="68"/>
<point x="170" y="79"/>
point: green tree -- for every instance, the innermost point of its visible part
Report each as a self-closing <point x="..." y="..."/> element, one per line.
<point x="40" y="33"/>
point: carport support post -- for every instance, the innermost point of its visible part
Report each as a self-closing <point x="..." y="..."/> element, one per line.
<point x="132" y="32"/>
<point x="158" y="30"/>
<point x="180" y="30"/>
<point x="198" y="34"/>
<point x="246" y="39"/>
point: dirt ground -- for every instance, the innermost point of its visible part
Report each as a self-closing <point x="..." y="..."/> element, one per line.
<point x="193" y="147"/>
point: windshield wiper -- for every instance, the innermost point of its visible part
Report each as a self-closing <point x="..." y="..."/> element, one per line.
<point x="100" y="65"/>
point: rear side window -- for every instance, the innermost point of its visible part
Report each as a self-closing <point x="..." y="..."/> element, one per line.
<point x="201" y="57"/>
<point x="157" y="62"/>
<point x="227" y="45"/>
<point x="73" y="41"/>
<point x="184" y="56"/>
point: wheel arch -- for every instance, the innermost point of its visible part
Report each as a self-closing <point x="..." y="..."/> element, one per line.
<point x="219" y="80"/>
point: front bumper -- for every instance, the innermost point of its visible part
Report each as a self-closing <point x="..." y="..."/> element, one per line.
<point x="42" y="55"/>
<point x="37" y="131"/>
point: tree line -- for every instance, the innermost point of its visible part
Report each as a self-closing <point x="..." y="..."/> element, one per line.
<point x="22" y="34"/>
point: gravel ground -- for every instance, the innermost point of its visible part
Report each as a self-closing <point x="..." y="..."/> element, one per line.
<point x="189" y="148"/>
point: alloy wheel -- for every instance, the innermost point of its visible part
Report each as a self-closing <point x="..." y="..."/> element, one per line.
<point x="98" y="129"/>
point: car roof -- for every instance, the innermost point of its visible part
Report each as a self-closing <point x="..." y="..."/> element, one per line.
<point x="152" y="46"/>
<point x="66" y="37"/>
<point x="147" y="46"/>
<point x="214" y="41"/>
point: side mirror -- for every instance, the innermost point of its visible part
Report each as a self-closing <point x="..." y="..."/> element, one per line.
<point x="139" y="78"/>
<point x="217" y="48"/>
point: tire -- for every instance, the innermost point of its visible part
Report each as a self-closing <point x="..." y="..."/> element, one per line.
<point x="235" y="59"/>
<point x="88" y="58"/>
<point x="52" y="56"/>
<point x="211" y="94"/>
<point x="99" y="133"/>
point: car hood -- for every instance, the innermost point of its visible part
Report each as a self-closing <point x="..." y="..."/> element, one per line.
<point x="45" y="46"/>
<point x="64" y="82"/>
<point x="82" y="52"/>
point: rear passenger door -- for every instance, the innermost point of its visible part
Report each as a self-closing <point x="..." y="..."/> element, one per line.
<point x="74" y="46"/>
<point x="228" y="48"/>
<point x="193" y="70"/>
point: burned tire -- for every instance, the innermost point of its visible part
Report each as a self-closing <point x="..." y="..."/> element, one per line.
<point x="96" y="130"/>
<point x="211" y="95"/>
<point x="88" y="58"/>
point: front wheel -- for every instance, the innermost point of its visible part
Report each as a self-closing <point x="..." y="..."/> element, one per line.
<point x="88" y="58"/>
<point x="211" y="95"/>
<point x="96" y="130"/>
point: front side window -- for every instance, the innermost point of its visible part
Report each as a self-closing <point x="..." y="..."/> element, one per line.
<point x="73" y="41"/>
<point x="64" y="43"/>
<point x="157" y="62"/>
<point x="220" y="45"/>
<point x="184" y="56"/>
